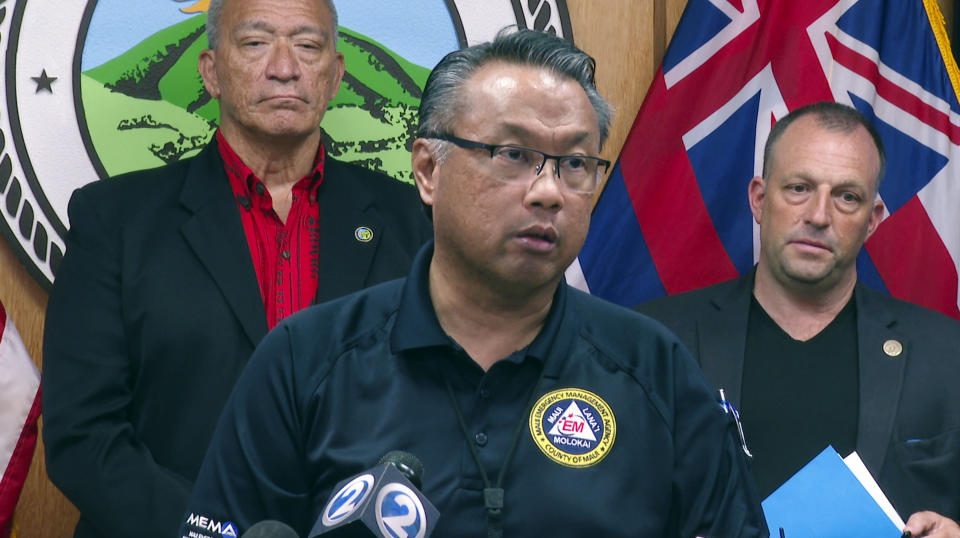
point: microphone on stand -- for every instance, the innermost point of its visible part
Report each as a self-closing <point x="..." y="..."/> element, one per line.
<point x="384" y="501"/>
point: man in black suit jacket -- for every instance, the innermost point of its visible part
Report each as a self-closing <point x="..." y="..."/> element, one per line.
<point x="158" y="303"/>
<point x="813" y="357"/>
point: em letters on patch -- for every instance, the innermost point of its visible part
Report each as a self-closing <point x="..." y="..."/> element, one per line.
<point x="573" y="427"/>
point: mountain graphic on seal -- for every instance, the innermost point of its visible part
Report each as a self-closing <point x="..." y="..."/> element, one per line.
<point x="148" y="107"/>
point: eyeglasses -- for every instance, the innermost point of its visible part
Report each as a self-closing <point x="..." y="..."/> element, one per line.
<point x="514" y="164"/>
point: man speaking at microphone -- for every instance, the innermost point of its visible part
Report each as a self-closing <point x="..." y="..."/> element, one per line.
<point x="535" y="409"/>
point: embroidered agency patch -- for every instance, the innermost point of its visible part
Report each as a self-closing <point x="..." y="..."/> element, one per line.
<point x="573" y="427"/>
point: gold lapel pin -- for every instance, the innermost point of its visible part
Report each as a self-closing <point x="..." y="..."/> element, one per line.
<point x="363" y="234"/>
<point x="892" y="348"/>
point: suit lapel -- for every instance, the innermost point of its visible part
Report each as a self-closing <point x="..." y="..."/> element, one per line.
<point x="881" y="376"/>
<point x="723" y="336"/>
<point x="215" y="233"/>
<point x="349" y="231"/>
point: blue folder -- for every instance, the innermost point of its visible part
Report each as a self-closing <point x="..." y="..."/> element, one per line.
<point x="825" y="500"/>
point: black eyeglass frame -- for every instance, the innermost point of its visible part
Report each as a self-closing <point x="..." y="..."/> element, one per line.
<point x="603" y="165"/>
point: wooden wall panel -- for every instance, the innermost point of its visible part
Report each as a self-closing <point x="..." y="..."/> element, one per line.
<point x="619" y="35"/>
<point x="627" y="37"/>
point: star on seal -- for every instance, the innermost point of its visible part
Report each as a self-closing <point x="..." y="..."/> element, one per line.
<point x="44" y="82"/>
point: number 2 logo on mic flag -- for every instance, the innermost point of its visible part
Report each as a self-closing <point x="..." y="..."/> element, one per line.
<point x="400" y="513"/>
<point x="346" y="501"/>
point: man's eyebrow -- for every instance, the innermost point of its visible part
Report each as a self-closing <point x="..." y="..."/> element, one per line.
<point x="852" y="184"/>
<point x="578" y="137"/>
<point x="810" y="177"/>
<point x="513" y="129"/>
<point x="309" y="29"/>
<point x="520" y="131"/>
<point x="266" y="27"/>
<point x="254" y="25"/>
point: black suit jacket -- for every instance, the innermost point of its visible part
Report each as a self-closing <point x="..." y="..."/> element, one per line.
<point x="908" y="432"/>
<point x="156" y="309"/>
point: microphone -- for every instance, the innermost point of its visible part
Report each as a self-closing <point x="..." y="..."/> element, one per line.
<point x="269" y="528"/>
<point x="409" y="466"/>
<point x="384" y="502"/>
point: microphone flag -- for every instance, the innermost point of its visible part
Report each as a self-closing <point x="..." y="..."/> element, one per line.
<point x="378" y="502"/>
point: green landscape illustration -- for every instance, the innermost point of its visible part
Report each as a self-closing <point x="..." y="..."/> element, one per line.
<point x="148" y="107"/>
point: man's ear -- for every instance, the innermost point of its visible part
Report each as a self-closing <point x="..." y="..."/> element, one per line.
<point x="876" y="216"/>
<point x="207" y="66"/>
<point x="339" y="69"/>
<point x="755" y="193"/>
<point x="426" y="170"/>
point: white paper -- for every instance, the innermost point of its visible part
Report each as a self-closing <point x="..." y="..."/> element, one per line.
<point x="856" y="466"/>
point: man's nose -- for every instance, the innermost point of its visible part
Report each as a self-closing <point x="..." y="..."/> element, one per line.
<point x="282" y="63"/>
<point x="546" y="189"/>
<point x="818" y="208"/>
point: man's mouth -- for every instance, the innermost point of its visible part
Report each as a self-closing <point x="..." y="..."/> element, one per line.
<point x="539" y="237"/>
<point x="810" y="244"/>
<point x="282" y="98"/>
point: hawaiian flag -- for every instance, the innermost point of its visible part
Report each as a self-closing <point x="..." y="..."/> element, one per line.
<point x="19" y="411"/>
<point x="674" y="214"/>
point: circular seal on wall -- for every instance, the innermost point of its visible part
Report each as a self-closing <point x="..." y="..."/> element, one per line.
<point x="96" y="88"/>
<point x="573" y="427"/>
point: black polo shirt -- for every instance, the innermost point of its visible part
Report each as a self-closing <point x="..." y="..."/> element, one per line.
<point x="623" y="438"/>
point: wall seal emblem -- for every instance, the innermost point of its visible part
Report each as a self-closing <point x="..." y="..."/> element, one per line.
<point x="66" y="124"/>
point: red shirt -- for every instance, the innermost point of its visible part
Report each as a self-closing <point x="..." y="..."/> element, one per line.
<point x="285" y="254"/>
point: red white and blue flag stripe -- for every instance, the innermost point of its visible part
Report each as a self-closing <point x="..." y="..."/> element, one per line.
<point x="19" y="411"/>
<point x="674" y="214"/>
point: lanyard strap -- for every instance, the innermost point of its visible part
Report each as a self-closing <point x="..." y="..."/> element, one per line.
<point x="493" y="493"/>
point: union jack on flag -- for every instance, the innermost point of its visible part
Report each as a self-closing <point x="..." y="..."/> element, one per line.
<point x="674" y="214"/>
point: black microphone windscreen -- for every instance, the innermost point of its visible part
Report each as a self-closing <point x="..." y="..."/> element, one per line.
<point x="407" y="463"/>
<point x="269" y="528"/>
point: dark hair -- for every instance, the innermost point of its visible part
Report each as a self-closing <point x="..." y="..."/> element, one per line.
<point x="831" y="116"/>
<point x="213" y="21"/>
<point x="441" y="95"/>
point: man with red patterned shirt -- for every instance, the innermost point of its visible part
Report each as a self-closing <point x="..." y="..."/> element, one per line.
<point x="173" y="275"/>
